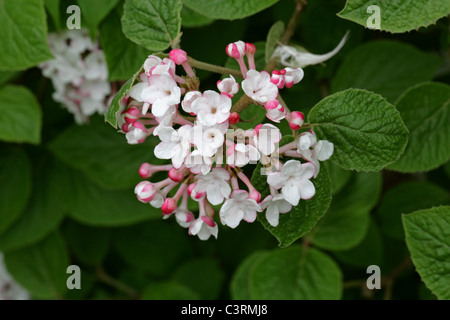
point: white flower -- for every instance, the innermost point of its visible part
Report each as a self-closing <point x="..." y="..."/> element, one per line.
<point x="174" y="145"/>
<point x="188" y="99"/>
<point x="238" y="207"/>
<point x="228" y="86"/>
<point x="10" y="289"/>
<point x="183" y="217"/>
<point x="314" y="151"/>
<point x="215" y="184"/>
<point x="294" y="181"/>
<point x="166" y="120"/>
<point x="158" y="200"/>
<point x="207" y="139"/>
<point x="242" y="154"/>
<point x="275" y="111"/>
<point x="258" y="86"/>
<point x="150" y="63"/>
<point x="275" y="205"/>
<point x="161" y="91"/>
<point x="293" y="76"/>
<point x="198" y="163"/>
<point x="137" y="133"/>
<point x="96" y="68"/>
<point x="266" y="138"/>
<point x="212" y="108"/>
<point x="291" y="57"/>
<point x="204" y="227"/>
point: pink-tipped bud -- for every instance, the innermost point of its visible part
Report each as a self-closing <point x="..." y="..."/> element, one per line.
<point x="209" y="221"/>
<point x="236" y="49"/>
<point x="234" y="118"/>
<point x="271" y="104"/>
<point x="296" y="120"/>
<point x="145" y="191"/>
<point x="145" y="170"/>
<point x="176" y="175"/>
<point x="256" y="130"/>
<point x="277" y="79"/>
<point x="178" y="56"/>
<point x="125" y="127"/>
<point x="255" y="195"/>
<point x="132" y="114"/>
<point x="190" y="188"/>
<point x="169" y="206"/>
<point x="250" y="48"/>
<point x="293" y="76"/>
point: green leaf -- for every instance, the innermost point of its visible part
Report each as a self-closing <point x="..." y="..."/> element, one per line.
<point x="193" y="19"/>
<point x="41" y="268"/>
<point x="103" y="154"/>
<point x="89" y="244"/>
<point x="302" y="218"/>
<point x="367" y="131"/>
<point x="52" y="7"/>
<point x="15" y="172"/>
<point x="153" y="25"/>
<point x="338" y="176"/>
<point x="207" y="283"/>
<point x="425" y="109"/>
<point x="386" y="67"/>
<point x="6" y="76"/>
<point x="95" y="206"/>
<point x="397" y="16"/>
<point x="405" y="198"/>
<point x="228" y="9"/>
<point x="306" y="275"/>
<point x="169" y="290"/>
<point x="241" y="281"/>
<point x="20" y="115"/>
<point x="347" y="220"/>
<point x="95" y="11"/>
<point x="24" y="34"/>
<point x="428" y="239"/>
<point x="157" y="247"/>
<point x="113" y="110"/>
<point x="45" y="209"/>
<point x="274" y="35"/>
<point x="368" y="252"/>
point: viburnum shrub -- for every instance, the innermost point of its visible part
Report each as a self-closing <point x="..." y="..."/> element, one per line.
<point x="307" y="141"/>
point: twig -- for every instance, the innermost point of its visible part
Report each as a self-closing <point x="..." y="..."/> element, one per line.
<point x="213" y="68"/>
<point x="107" y="279"/>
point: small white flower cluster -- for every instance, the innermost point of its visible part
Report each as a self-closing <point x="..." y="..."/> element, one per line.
<point x="9" y="289"/>
<point x="79" y="74"/>
<point x="206" y="155"/>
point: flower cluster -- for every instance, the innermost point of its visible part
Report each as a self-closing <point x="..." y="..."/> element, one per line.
<point x="9" y="289"/>
<point x="79" y="74"/>
<point x="198" y="134"/>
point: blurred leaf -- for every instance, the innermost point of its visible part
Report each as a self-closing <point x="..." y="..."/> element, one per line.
<point x="405" y="198"/>
<point x="103" y="154"/>
<point x="24" y="34"/>
<point x="153" y="25"/>
<point x="397" y="17"/>
<point x="89" y="244"/>
<point x="114" y="108"/>
<point x="367" y="131"/>
<point x="53" y="9"/>
<point x="302" y="218"/>
<point x="41" y="268"/>
<point x="169" y="290"/>
<point x="123" y="56"/>
<point x="15" y="189"/>
<point x="202" y="275"/>
<point x="6" y="76"/>
<point x="95" y="11"/>
<point x="45" y="209"/>
<point x="87" y="283"/>
<point x="428" y="239"/>
<point x="228" y="9"/>
<point x="347" y="221"/>
<point x="425" y="109"/>
<point x="368" y="252"/>
<point x="193" y="19"/>
<point x="20" y="115"/>
<point x="274" y="35"/>
<point x="157" y="247"/>
<point x="386" y="67"/>
<point x="338" y="176"/>
<point x="241" y="281"/>
<point x="306" y="274"/>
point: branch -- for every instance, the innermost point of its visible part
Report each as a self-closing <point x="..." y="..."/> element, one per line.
<point x="213" y="68"/>
<point x="107" y="279"/>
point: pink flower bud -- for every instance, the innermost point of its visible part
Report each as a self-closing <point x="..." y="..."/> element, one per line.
<point x="255" y="195"/>
<point x="250" y="48"/>
<point x="132" y="114"/>
<point x="176" y="175"/>
<point x="296" y="120"/>
<point x="236" y="50"/>
<point x="145" y="170"/>
<point x="277" y="79"/>
<point x="178" y="56"/>
<point x="256" y="130"/>
<point x="271" y="104"/>
<point x="190" y="188"/>
<point x="293" y="76"/>
<point x="145" y="191"/>
<point x="234" y="118"/>
<point x="169" y="206"/>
